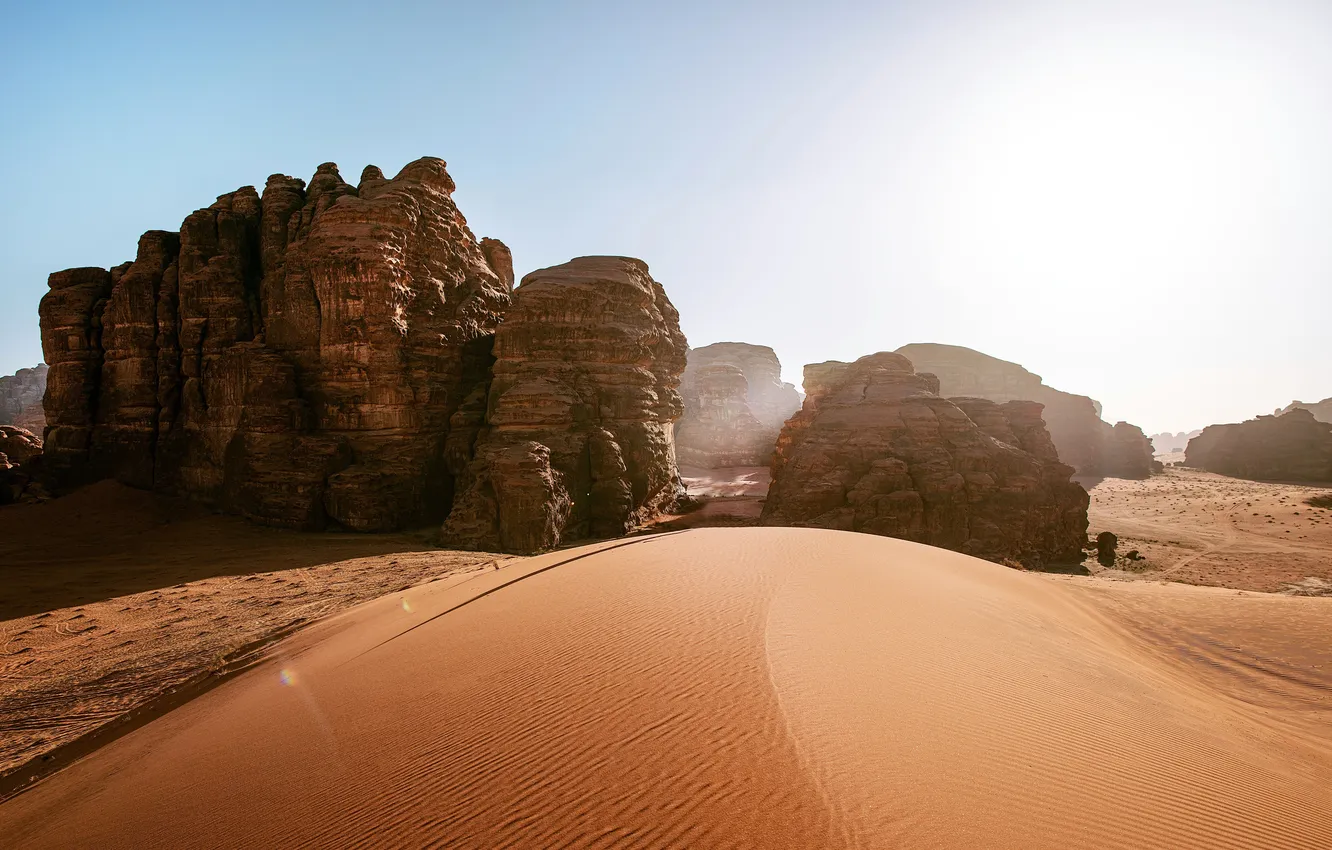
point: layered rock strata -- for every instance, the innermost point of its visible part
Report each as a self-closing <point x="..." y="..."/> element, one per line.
<point x="574" y="437"/>
<point x="294" y="358"/>
<point x="21" y="399"/>
<point x="735" y="404"/>
<point x="876" y="449"/>
<point x="1291" y="447"/>
<point x="1085" y="442"/>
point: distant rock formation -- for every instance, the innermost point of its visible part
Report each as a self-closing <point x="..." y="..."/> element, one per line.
<point x="573" y="438"/>
<point x="1322" y="410"/>
<point x="1291" y="447"/>
<point x="1168" y="443"/>
<point x="735" y="404"/>
<point x="294" y="358"/>
<point x="876" y="449"/>
<point x="21" y="399"/>
<point x="1085" y="442"/>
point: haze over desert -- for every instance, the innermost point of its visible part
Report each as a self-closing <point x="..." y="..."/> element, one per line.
<point x="844" y="425"/>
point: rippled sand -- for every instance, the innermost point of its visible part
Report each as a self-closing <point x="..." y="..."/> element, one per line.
<point x="746" y="687"/>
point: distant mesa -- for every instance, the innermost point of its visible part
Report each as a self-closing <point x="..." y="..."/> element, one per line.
<point x="1085" y="442"/>
<point x="1168" y="443"/>
<point x="876" y="449"/>
<point x="1322" y="410"/>
<point x="735" y="404"/>
<point x="1291" y="447"/>
<point x="21" y="399"/>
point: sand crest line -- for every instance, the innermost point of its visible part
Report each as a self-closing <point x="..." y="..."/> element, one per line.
<point x="509" y="583"/>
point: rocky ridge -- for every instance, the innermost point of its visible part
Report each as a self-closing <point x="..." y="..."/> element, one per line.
<point x="1322" y="410"/>
<point x="735" y="404"/>
<point x="1084" y="441"/>
<point x="574" y="436"/>
<point x="1291" y="447"/>
<point x="876" y="449"/>
<point x="21" y="398"/>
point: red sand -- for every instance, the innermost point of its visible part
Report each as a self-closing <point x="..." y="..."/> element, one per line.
<point x="739" y="688"/>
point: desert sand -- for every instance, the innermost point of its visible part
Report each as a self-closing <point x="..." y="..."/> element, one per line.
<point x="119" y="604"/>
<point x="1201" y="528"/>
<point x="741" y="687"/>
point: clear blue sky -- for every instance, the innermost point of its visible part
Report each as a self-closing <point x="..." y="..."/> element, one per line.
<point x="1133" y="199"/>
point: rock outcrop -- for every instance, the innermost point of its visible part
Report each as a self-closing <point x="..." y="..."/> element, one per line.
<point x="1291" y="447"/>
<point x="876" y="449"/>
<point x="1085" y="442"/>
<point x="574" y="437"/>
<point x="21" y="399"/>
<point x="295" y="358"/>
<point x="17" y="445"/>
<point x="735" y="404"/>
<point x="1321" y="410"/>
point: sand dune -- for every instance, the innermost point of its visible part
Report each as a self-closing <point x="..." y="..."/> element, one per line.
<point x="735" y="688"/>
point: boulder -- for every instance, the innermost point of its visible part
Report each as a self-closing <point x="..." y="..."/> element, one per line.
<point x="575" y="436"/>
<point x="1291" y="447"/>
<point x="735" y="404"/>
<point x="295" y="358"/>
<point x="21" y="399"/>
<point x="876" y="449"/>
<point x="1085" y="442"/>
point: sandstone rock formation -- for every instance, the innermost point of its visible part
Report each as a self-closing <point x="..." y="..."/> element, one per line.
<point x="1168" y="443"/>
<point x="1085" y="442"/>
<point x="876" y="449"/>
<point x="1291" y="447"/>
<point x="574" y="436"/>
<point x="21" y="399"/>
<point x="294" y="358"/>
<point x="17" y="445"/>
<point x="1322" y="410"/>
<point x="735" y="404"/>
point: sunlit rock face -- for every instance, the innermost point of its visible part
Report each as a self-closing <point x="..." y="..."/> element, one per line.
<point x="293" y="357"/>
<point x="574" y="437"/>
<point x="1291" y="447"/>
<point x="21" y="399"/>
<point x="1085" y="442"/>
<point x="735" y="404"/>
<point x="875" y="449"/>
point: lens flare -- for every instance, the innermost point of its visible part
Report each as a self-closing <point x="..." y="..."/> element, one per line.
<point x="288" y="677"/>
<point x="406" y="606"/>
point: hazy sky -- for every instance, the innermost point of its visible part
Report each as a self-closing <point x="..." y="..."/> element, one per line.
<point x="1133" y="200"/>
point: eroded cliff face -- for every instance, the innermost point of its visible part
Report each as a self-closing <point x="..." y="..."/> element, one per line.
<point x="876" y="449"/>
<point x="735" y="404"/>
<point x="21" y="399"/>
<point x="574" y="437"/>
<point x="1291" y="447"/>
<point x="294" y="358"/>
<point x="1085" y="442"/>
